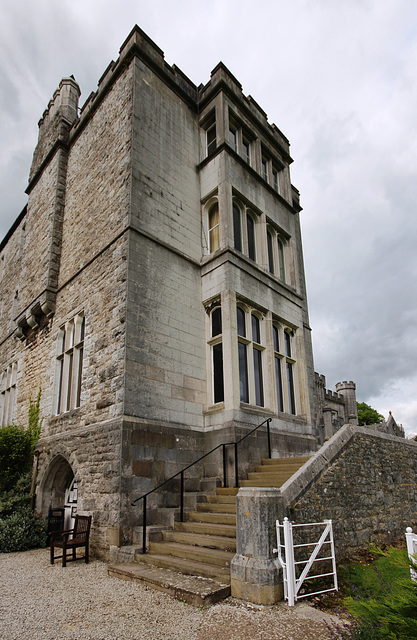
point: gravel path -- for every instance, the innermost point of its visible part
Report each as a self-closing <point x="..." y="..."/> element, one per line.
<point x="39" y="601"/>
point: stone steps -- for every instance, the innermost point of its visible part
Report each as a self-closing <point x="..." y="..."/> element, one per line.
<point x="205" y="543"/>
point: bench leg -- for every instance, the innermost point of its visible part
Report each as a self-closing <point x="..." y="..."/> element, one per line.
<point x="52" y="553"/>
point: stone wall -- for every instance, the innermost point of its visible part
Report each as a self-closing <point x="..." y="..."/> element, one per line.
<point x="364" y="481"/>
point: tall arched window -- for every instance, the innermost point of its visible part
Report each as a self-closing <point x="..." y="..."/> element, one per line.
<point x="270" y="243"/>
<point x="214" y="227"/>
<point x="257" y="360"/>
<point x="290" y="372"/>
<point x="281" y="259"/>
<point x="243" y="355"/>
<point x="250" y="226"/>
<point x="278" y="371"/>
<point x="217" y="354"/>
<point x="237" y="227"/>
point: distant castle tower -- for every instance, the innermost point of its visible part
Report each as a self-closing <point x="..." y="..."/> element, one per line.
<point x="348" y="391"/>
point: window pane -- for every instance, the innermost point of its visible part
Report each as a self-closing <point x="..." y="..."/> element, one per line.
<point x="241" y="324"/>
<point x="270" y="252"/>
<point x="275" y="180"/>
<point x="290" y="381"/>
<point x="257" y="367"/>
<point x="60" y="385"/>
<point x="237" y="228"/>
<point x="211" y="134"/>
<point x="246" y="150"/>
<point x="216" y="322"/>
<point x="256" y="329"/>
<point x="276" y="338"/>
<point x="233" y="138"/>
<point x="265" y="169"/>
<point x="251" y="237"/>
<point x="278" y="378"/>
<point x="69" y="381"/>
<point x="218" y="372"/>
<point x="281" y="260"/>
<point x="243" y="373"/>
<point x="214" y="229"/>
<point x="287" y="344"/>
<point x="79" y="376"/>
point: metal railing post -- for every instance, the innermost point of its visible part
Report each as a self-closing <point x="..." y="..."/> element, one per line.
<point x="182" y="498"/>
<point x="224" y="466"/>
<point x="144" y="526"/>
<point x="268" y="422"/>
<point x="236" y="468"/>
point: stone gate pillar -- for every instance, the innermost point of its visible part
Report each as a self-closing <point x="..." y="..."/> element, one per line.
<point x="256" y="575"/>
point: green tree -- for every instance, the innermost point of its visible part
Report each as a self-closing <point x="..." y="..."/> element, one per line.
<point x="368" y="415"/>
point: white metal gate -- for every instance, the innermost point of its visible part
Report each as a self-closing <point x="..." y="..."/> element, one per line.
<point x="285" y="550"/>
<point x="411" y="539"/>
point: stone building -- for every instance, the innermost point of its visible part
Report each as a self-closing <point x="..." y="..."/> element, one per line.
<point x="153" y="288"/>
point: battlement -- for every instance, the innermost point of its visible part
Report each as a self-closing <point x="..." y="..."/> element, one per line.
<point x="222" y="77"/>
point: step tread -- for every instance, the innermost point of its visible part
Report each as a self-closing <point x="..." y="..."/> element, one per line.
<point x="201" y="540"/>
<point x="260" y="483"/>
<point x="206" y="528"/>
<point x="177" y="549"/>
<point x="188" y="567"/>
<point x="216" y="518"/>
<point x="210" y="507"/>
<point x="221" y="499"/>
<point x="226" y="491"/>
<point x="301" y="460"/>
<point x="195" y="590"/>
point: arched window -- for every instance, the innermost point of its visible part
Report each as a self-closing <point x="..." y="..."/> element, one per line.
<point x="281" y="259"/>
<point x="270" y="243"/>
<point x="217" y="354"/>
<point x="257" y="360"/>
<point x="243" y="355"/>
<point x="237" y="227"/>
<point x="214" y="227"/>
<point x="250" y="226"/>
<point x="290" y="372"/>
<point x="70" y="351"/>
<point x="278" y="371"/>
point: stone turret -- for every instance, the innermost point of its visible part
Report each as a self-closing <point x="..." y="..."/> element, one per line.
<point x="56" y="121"/>
<point x="348" y="391"/>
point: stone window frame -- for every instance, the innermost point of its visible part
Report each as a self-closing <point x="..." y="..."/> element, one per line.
<point x="271" y="170"/>
<point x="277" y="250"/>
<point x="239" y="138"/>
<point x="285" y="361"/>
<point x="209" y="125"/>
<point x="247" y="215"/>
<point x="215" y="350"/>
<point x="251" y="355"/>
<point x="8" y="393"/>
<point x="69" y="364"/>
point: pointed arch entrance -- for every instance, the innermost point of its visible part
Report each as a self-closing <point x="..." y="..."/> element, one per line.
<point x="56" y="488"/>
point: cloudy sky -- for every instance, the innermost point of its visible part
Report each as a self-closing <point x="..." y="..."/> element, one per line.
<point x="339" y="78"/>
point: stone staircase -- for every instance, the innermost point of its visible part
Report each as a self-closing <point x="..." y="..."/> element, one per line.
<point x="192" y="561"/>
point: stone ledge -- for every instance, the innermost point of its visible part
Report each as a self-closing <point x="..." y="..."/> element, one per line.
<point x="191" y="589"/>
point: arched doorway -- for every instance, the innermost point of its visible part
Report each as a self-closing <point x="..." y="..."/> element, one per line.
<point x="57" y="488"/>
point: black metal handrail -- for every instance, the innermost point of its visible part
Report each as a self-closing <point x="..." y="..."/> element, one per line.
<point x="181" y="473"/>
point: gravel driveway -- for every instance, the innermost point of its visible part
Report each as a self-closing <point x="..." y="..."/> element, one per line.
<point x="39" y="601"/>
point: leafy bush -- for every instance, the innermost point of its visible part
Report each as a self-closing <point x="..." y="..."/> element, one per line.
<point x="382" y="599"/>
<point x="15" y="455"/>
<point x="21" y="531"/>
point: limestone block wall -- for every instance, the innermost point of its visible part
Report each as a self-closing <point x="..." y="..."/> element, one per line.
<point x="98" y="179"/>
<point x="10" y="268"/>
<point x="39" y="222"/>
<point x="165" y="348"/>
<point x="165" y="154"/>
<point x="94" y="454"/>
<point x="364" y="481"/>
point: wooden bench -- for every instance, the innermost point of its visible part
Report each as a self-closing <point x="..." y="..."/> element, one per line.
<point x="73" y="539"/>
